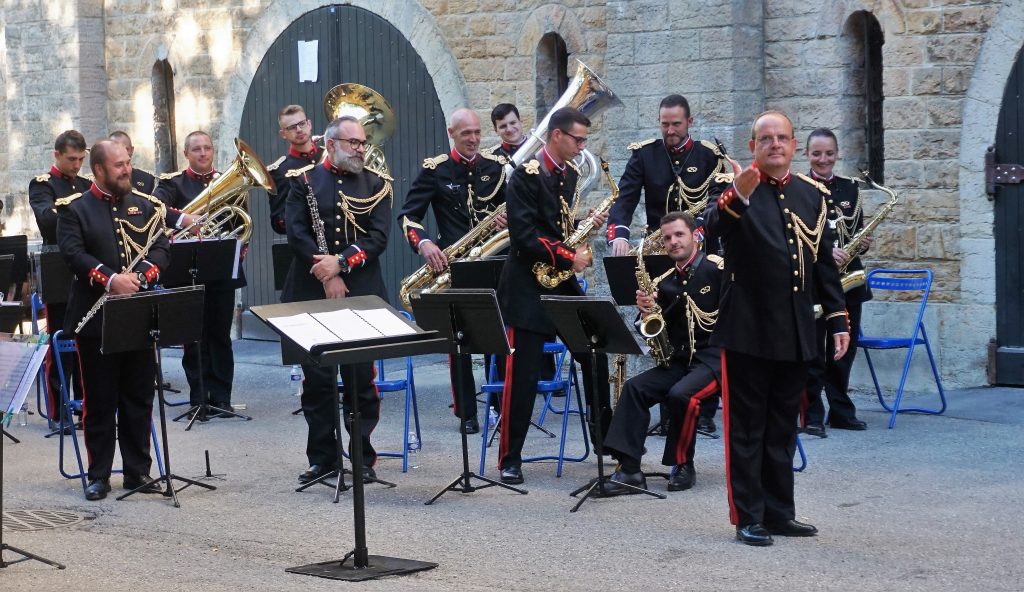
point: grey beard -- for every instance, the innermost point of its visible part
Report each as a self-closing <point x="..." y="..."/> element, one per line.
<point x="348" y="164"/>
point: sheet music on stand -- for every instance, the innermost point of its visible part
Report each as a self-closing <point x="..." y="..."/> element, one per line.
<point x="316" y="332"/>
<point x="21" y="356"/>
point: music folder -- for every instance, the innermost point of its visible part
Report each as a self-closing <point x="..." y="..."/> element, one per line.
<point x="21" y="356"/>
<point x="210" y="259"/>
<point x="621" y="272"/>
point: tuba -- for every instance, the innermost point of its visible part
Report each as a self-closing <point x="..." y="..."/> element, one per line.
<point x="374" y="113"/>
<point x="221" y="208"/>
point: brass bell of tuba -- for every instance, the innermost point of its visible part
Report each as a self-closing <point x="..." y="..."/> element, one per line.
<point x="221" y="208"/>
<point x="374" y="113"/>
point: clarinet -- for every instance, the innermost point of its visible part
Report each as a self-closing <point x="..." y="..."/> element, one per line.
<point x="314" y="215"/>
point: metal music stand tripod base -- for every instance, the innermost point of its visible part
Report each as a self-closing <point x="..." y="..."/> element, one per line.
<point x="153" y="319"/>
<point x="593" y="325"/>
<point x="377" y="566"/>
<point x="470" y="319"/>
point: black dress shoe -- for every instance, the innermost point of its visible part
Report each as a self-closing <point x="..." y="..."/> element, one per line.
<point x="131" y="483"/>
<point x="470" y="426"/>
<point x="97" y="489"/>
<point x="512" y="475"/>
<point x="682" y="478"/>
<point x="706" y="424"/>
<point x="815" y="429"/>
<point x="369" y="473"/>
<point x="314" y="472"/>
<point x="847" y="424"/>
<point x="792" y="528"/>
<point x="611" y="488"/>
<point x="754" y="535"/>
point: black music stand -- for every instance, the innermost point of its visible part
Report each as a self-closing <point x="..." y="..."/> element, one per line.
<point x="16" y="245"/>
<point x="6" y="273"/>
<point x="472" y="323"/>
<point x="363" y="566"/>
<point x="593" y="325"/>
<point x="55" y="276"/>
<point x="198" y="262"/>
<point x="623" y="269"/>
<point x="151" y="320"/>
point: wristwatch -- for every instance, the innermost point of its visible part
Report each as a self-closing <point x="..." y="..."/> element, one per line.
<point x="343" y="264"/>
<point x="143" y="282"/>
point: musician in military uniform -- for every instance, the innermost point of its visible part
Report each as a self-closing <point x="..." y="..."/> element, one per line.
<point x="101" y="232"/>
<point x="142" y="181"/>
<point x="688" y="296"/>
<point x="508" y="126"/>
<point x="675" y="173"/>
<point x="337" y="258"/>
<point x="846" y="217"/>
<point x="542" y="204"/>
<point x="69" y="151"/>
<point x="463" y="187"/>
<point x="296" y="129"/>
<point x="210" y="364"/>
<point x="777" y="256"/>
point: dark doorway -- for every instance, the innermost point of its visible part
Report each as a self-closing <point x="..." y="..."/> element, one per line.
<point x="1009" y="235"/>
<point x="358" y="46"/>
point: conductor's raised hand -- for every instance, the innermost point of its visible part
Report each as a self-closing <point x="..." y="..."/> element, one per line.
<point x="746" y="180"/>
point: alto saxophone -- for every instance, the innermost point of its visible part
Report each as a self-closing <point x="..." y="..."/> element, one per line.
<point x="652" y="324"/>
<point x="546" y="274"/>
<point x="853" y="279"/>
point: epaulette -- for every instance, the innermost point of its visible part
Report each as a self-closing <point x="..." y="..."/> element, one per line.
<point x="575" y="168"/>
<point x="43" y="178"/>
<point x="66" y="200"/>
<point x="712" y="147"/>
<point x="661" y="277"/>
<point x="820" y="186"/>
<point x="431" y="163"/>
<point x="716" y="259"/>
<point x="491" y="150"/>
<point x="639" y="145"/>
<point x="87" y="177"/>
<point x="297" y="172"/>
<point x="156" y="200"/>
<point x="166" y="176"/>
<point x="495" y="157"/>
<point x="273" y="166"/>
<point x="724" y="177"/>
<point x="532" y="167"/>
<point x="380" y="174"/>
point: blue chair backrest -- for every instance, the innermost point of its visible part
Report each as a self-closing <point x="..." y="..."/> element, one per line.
<point x="583" y="284"/>
<point x="903" y="280"/>
<point x="380" y="363"/>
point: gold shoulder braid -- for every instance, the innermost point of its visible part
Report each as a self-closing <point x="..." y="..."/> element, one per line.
<point x="817" y="184"/>
<point x="640" y="144"/>
<point x="161" y="206"/>
<point x="380" y="174"/>
<point x="470" y="201"/>
<point x="431" y="163"/>
<point x="166" y="176"/>
<point x="66" y="200"/>
<point x="273" y="166"/>
<point x="43" y="178"/>
<point x="696" y="317"/>
<point x="152" y="226"/>
<point x="661" y="277"/>
<point x="495" y="157"/>
<point x="358" y="206"/>
<point x="716" y="259"/>
<point x="712" y="147"/>
<point x="807" y="237"/>
<point x="532" y="167"/>
<point x="297" y="172"/>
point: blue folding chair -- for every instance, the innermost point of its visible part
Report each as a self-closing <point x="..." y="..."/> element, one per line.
<point x="906" y="281"/>
<point x="67" y="420"/>
<point x="803" y="455"/>
<point x="407" y="384"/>
<point x="42" y="390"/>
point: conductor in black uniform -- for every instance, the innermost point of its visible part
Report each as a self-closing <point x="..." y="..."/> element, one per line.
<point x="508" y="126"/>
<point x="100" y="232"/>
<point x="463" y="187"/>
<point x="142" y="181"/>
<point x="688" y="296"/>
<point x="296" y="129"/>
<point x="540" y="196"/>
<point x="210" y="363"/>
<point x="69" y="152"/>
<point x="354" y="204"/>
<point x="777" y="255"/>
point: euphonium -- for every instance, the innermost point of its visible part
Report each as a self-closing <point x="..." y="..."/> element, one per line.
<point x="373" y="112"/>
<point x="546" y="274"/>
<point x="652" y="324"/>
<point x="221" y="208"/>
<point x="853" y="279"/>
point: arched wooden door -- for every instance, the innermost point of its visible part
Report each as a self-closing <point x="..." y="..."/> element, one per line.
<point x="1009" y="233"/>
<point x="355" y="45"/>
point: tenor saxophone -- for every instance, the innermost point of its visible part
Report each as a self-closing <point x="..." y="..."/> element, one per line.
<point x="652" y="324"/>
<point x="550" y="277"/>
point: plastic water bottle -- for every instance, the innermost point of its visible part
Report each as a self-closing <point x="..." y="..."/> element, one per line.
<point x="297" y="379"/>
<point x="23" y="415"/>
<point x="492" y="418"/>
<point x="414" y="443"/>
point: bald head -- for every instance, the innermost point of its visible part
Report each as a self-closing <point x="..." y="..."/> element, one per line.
<point x="464" y="130"/>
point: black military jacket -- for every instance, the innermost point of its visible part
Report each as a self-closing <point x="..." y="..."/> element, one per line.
<point x="46" y="189"/>
<point x="653" y="169"/>
<point x="444" y="184"/>
<point x="95" y="232"/>
<point x="143" y="181"/>
<point x="356" y="231"/>
<point x="701" y="280"/>
<point x="846" y="217"/>
<point x="278" y="171"/>
<point x="506" y="150"/>
<point x="778" y="254"/>
<point x="540" y="201"/>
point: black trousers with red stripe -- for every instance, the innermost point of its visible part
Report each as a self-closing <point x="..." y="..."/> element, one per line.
<point x="318" y="409"/>
<point x="118" y="405"/>
<point x="682" y="389"/>
<point x="54" y="322"/>
<point x="464" y="393"/>
<point x="761" y="400"/>
<point x="217" y="362"/>
<point x="833" y="376"/>
<point x="522" y="371"/>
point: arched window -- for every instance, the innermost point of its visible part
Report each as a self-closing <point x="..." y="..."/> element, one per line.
<point x="864" y="132"/>
<point x="552" y="79"/>
<point x="163" y="117"/>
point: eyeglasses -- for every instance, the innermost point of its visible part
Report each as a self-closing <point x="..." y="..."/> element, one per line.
<point x="352" y="142"/>
<point x="296" y="126"/>
<point x="579" y="141"/>
<point x="769" y="140"/>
